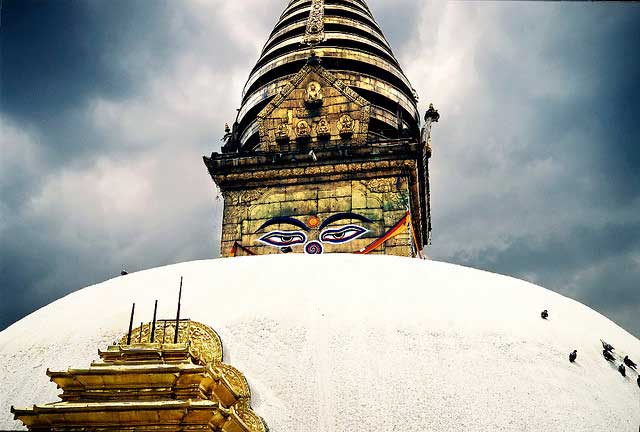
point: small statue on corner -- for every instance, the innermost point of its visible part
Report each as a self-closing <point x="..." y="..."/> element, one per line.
<point x="430" y="117"/>
<point x="231" y="137"/>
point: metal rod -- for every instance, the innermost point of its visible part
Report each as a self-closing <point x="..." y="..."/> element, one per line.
<point x="175" y="336"/>
<point x="164" y="330"/>
<point x="153" y="326"/>
<point x="133" y="309"/>
<point x="140" y="338"/>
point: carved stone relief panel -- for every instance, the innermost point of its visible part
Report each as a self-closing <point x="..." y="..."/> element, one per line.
<point x="315" y="108"/>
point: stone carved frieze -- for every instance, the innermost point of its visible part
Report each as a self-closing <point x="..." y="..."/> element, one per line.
<point x="382" y="185"/>
<point x="248" y="196"/>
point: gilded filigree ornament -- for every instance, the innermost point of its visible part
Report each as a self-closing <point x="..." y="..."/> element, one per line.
<point x="203" y="342"/>
<point x="314" y="33"/>
<point x="249" y="417"/>
<point x="233" y="377"/>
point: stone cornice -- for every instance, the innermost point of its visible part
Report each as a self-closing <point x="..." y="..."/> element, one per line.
<point x="316" y="165"/>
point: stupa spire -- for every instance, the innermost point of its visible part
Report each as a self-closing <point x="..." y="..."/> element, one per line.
<point x="326" y="154"/>
<point x="345" y="35"/>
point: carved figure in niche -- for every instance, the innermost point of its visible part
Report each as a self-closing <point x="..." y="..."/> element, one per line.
<point x="302" y="129"/>
<point x="314" y="94"/>
<point x="282" y="134"/>
<point x="345" y="125"/>
<point x="323" y="129"/>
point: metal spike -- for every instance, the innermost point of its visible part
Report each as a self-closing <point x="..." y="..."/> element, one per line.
<point x="153" y="326"/>
<point x="133" y="309"/>
<point x="175" y="336"/>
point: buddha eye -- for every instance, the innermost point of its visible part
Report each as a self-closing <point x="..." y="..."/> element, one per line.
<point x="283" y="238"/>
<point x="343" y="234"/>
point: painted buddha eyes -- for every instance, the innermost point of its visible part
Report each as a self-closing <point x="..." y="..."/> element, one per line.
<point x="283" y="238"/>
<point x="326" y="235"/>
<point x="343" y="234"/>
<point x="340" y="235"/>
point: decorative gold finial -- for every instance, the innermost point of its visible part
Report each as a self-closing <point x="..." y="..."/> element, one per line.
<point x="314" y="33"/>
<point x="432" y="114"/>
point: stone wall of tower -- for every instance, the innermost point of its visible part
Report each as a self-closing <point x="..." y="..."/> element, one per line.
<point x="383" y="201"/>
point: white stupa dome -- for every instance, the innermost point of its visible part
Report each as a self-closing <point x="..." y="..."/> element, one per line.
<point x="348" y="342"/>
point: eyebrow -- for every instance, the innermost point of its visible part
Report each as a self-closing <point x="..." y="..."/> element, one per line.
<point x="284" y="220"/>
<point x="343" y="216"/>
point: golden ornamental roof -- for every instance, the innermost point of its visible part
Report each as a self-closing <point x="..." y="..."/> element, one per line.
<point x="350" y="44"/>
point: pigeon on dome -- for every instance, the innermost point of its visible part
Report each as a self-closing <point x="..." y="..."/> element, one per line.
<point x="607" y="355"/>
<point x="630" y="362"/>
<point x="573" y="356"/>
<point x="544" y="314"/>
<point x="622" y="370"/>
<point x="607" y="346"/>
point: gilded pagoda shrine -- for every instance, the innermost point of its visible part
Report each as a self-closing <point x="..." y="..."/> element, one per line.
<point x="327" y="153"/>
<point x="151" y="381"/>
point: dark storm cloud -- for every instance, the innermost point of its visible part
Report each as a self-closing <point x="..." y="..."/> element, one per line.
<point x="544" y="153"/>
<point x="595" y="46"/>
<point x="59" y="60"/>
<point x="106" y="108"/>
<point x="58" y="54"/>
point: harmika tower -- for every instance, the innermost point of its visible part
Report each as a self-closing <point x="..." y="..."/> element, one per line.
<point x="326" y="153"/>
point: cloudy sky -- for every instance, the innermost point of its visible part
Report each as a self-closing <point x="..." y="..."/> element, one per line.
<point x="106" y="108"/>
